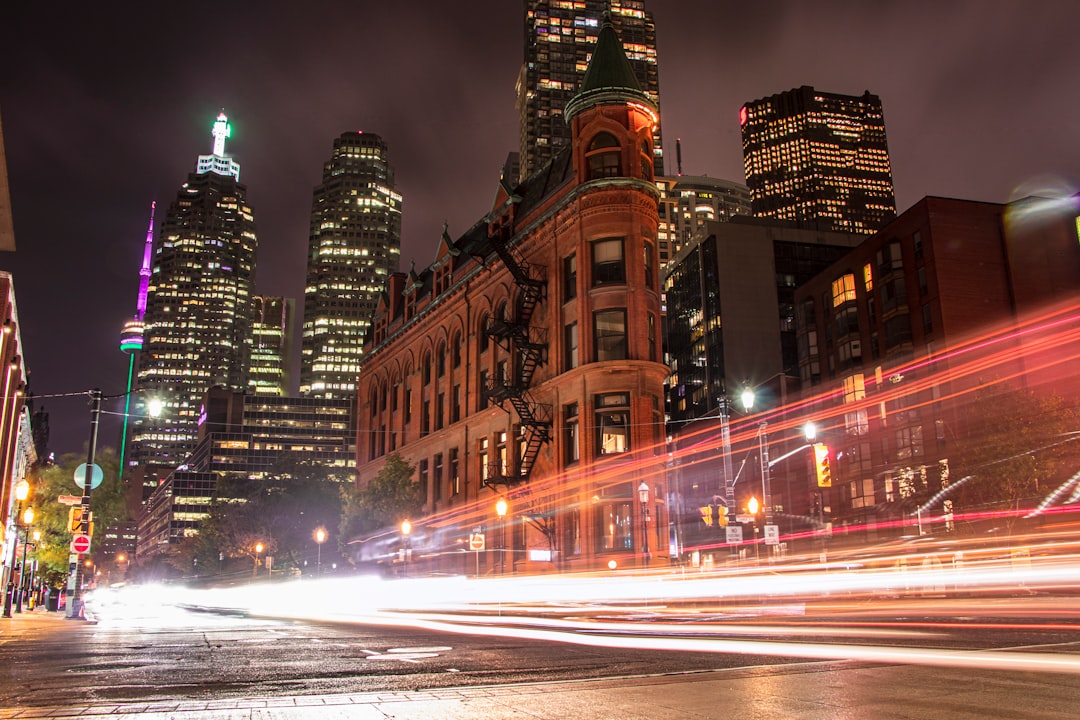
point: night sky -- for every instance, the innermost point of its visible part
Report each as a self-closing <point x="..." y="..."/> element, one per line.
<point x="105" y="107"/>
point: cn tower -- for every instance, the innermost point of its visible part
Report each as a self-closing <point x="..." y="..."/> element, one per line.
<point x="131" y="338"/>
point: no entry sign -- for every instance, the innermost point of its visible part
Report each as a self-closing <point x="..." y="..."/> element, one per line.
<point x="80" y="544"/>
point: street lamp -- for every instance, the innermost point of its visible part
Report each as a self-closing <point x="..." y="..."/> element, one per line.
<point x="28" y="520"/>
<point x="500" y="510"/>
<point x="643" y="497"/>
<point x="22" y="491"/>
<point x="406" y="530"/>
<point x="320" y="538"/>
<point x="763" y="451"/>
<point x="258" y="551"/>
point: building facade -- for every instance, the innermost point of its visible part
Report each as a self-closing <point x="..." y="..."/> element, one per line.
<point x="525" y="361"/>
<point x="818" y="159"/>
<point x="271" y="346"/>
<point x="354" y="245"/>
<point x="559" y="40"/>
<point x="197" y="327"/>
<point x="895" y="339"/>
<point x="256" y="435"/>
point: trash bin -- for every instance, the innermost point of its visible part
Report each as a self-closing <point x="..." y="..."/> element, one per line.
<point x="52" y="600"/>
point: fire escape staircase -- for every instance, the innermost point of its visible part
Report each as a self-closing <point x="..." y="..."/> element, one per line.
<point x="528" y="345"/>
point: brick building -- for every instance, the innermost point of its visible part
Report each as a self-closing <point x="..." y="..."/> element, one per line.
<point x="525" y="361"/>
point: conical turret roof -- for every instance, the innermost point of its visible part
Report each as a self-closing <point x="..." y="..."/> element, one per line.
<point x="609" y="75"/>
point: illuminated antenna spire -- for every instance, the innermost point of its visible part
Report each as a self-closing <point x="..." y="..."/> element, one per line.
<point x="222" y="129"/>
<point x="144" y="271"/>
<point x="217" y="162"/>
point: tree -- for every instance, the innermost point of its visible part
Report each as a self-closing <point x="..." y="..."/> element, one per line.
<point x="389" y="498"/>
<point x="1017" y="448"/>
<point x="51" y="518"/>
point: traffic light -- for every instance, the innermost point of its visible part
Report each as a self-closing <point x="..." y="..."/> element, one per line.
<point x="822" y="465"/>
<point x="721" y="515"/>
<point x="707" y="514"/>
<point x="75" y="519"/>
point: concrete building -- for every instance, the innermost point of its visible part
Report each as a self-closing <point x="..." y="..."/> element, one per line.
<point x="353" y="246"/>
<point x="524" y="362"/>
<point x="689" y="202"/>
<point x="818" y="159"/>
<point x="559" y="40"/>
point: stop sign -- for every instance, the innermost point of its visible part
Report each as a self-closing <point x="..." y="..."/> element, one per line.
<point x="80" y="544"/>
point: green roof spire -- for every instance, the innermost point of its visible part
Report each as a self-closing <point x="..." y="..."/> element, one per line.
<point x="609" y="74"/>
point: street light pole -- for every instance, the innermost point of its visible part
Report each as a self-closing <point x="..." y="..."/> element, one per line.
<point x="643" y="496"/>
<point x="320" y="538"/>
<point x="22" y="491"/>
<point x="500" y="510"/>
<point x="76" y="602"/>
<point x="406" y="529"/>
<point x="28" y="519"/>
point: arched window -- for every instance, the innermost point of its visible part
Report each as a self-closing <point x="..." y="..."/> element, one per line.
<point x="482" y="328"/>
<point x="604" y="157"/>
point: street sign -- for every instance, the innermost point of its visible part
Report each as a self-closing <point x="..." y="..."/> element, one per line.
<point x="476" y="541"/>
<point x="69" y="499"/>
<point x="772" y="534"/>
<point x="744" y="518"/>
<point x="80" y="544"/>
<point x="96" y="476"/>
<point x="734" y="534"/>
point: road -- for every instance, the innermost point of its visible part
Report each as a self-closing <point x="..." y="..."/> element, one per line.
<point x="140" y="660"/>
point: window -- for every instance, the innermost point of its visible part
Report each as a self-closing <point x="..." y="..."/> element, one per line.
<point x="569" y="277"/>
<point x="482" y="343"/>
<point x="424" y="479"/>
<point x="570" y="342"/>
<point x="927" y="320"/>
<point x="646" y="161"/>
<point x="440" y="361"/>
<point x="571" y="439"/>
<point x="608" y="265"/>
<point x="571" y="527"/>
<point x="440" y="410"/>
<point x="650" y="274"/>
<point x="652" y="337"/>
<point x="482" y="396"/>
<point x="614" y="523"/>
<point x="916" y="241"/>
<point x="924" y="288"/>
<point x="456" y="349"/>
<point x="425" y="417"/>
<point x="455" y="475"/>
<point x="868" y="277"/>
<point x="603" y="157"/>
<point x="609" y="335"/>
<point x="482" y="456"/>
<point x="437" y="476"/>
<point x="612" y="423"/>
<point x="425" y="372"/>
<point x="455" y="404"/>
<point x="504" y="458"/>
<point x="843" y="289"/>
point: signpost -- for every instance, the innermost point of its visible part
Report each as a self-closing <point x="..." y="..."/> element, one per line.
<point x="476" y="544"/>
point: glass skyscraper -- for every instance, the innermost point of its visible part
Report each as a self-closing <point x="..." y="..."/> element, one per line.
<point x="197" y="326"/>
<point x="559" y="40"/>
<point x="818" y="159"/>
<point x="354" y="245"/>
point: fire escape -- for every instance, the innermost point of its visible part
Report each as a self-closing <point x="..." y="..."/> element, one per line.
<point x="527" y="346"/>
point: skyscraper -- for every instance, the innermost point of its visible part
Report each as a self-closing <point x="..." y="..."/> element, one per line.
<point x="559" y="40"/>
<point x="818" y="159"/>
<point x="198" y="308"/>
<point x="354" y="245"/>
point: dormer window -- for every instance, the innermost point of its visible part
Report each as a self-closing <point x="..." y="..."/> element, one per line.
<point x="604" y="157"/>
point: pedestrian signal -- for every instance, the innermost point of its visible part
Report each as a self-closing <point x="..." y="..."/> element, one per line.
<point x="822" y="465"/>
<point x="706" y="514"/>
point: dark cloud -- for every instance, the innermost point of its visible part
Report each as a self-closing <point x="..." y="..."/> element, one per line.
<point x="106" y="106"/>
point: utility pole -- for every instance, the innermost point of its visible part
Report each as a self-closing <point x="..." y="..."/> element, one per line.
<point x="75" y="602"/>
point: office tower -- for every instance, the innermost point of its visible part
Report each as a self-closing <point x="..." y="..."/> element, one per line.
<point x="271" y="346"/>
<point x="818" y="159"/>
<point x="559" y="40"/>
<point x="198" y="308"/>
<point x="688" y="202"/>
<point x="354" y="245"/>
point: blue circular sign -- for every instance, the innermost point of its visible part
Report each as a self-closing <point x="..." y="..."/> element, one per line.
<point x="96" y="476"/>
